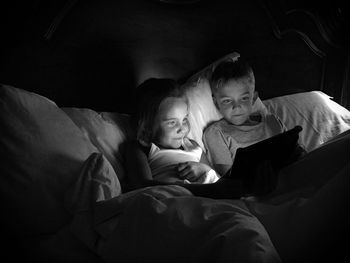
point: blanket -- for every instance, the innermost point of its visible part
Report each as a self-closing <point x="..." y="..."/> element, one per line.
<point x="169" y="224"/>
<point x="163" y="224"/>
<point x="166" y="224"/>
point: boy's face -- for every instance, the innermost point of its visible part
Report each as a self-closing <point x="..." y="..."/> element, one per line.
<point x="171" y="123"/>
<point x="235" y="100"/>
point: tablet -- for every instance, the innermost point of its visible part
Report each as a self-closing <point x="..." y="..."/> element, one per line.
<point x="277" y="149"/>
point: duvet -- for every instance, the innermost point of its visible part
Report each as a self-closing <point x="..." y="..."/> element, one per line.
<point x="62" y="174"/>
<point x="169" y="224"/>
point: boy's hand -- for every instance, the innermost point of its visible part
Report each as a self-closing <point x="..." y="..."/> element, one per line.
<point x="192" y="170"/>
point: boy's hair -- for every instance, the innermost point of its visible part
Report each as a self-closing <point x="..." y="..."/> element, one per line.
<point x="231" y="70"/>
<point x="149" y="97"/>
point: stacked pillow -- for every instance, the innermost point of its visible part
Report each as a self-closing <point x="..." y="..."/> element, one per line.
<point x="321" y="118"/>
<point x="42" y="152"/>
<point x="107" y="131"/>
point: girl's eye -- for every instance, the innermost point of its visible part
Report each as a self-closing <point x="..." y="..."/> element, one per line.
<point x="227" y="101"/>
<point x="245" y="98"/>
<point x="171" y="123"/>
<point x="185" y="121"/>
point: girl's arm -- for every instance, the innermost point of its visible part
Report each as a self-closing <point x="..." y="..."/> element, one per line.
<point x="192" y="171"/>
<point x="139" y="172"/>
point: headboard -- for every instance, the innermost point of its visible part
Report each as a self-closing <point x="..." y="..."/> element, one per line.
<point x="94" y="53"/>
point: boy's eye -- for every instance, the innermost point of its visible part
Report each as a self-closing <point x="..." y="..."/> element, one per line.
<point x="245" y="98"/>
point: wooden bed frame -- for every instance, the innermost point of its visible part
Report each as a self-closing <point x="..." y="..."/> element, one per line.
<point x="94" y="53"/>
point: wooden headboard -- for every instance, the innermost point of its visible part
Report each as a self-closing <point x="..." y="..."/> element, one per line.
<point x="93" y="53"/>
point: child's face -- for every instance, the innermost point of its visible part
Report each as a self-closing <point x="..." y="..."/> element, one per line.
<point x="171" y="123"/>
<point x="235" y="100"/>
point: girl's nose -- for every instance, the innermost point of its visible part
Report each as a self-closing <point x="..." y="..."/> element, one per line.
<point x="182" y="128"/>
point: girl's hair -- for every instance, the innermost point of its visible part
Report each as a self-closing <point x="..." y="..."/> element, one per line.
<point x="231" y="70"/>
<point x="150" y="95"/>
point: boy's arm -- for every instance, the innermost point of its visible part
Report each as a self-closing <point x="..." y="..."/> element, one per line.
<point x="218" y="151"/>
<point x="300" y="149"/>
<point x="204" y="158"/>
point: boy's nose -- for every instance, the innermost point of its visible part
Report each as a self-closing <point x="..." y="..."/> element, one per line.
<point x="236" y="105"/>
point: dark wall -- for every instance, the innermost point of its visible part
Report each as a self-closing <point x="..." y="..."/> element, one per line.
<point x="94" y="53"/>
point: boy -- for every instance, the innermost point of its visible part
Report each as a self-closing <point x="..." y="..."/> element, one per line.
<point x="233" y="90"/>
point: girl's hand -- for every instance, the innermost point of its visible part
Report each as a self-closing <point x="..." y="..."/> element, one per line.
<point x="192" y="170"/>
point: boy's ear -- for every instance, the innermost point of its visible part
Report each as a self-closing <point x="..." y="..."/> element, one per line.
<point x="255" y="96"/>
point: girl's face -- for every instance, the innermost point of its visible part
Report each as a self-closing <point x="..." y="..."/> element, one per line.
<point x="171" y="123"/>
<point x="235" y="101"/>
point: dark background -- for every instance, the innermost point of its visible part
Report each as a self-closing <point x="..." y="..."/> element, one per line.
<point x="94" y="53"/>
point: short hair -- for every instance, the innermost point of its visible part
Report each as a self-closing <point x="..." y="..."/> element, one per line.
<point x="150" y="95"/>
<point x="231" y="70"/>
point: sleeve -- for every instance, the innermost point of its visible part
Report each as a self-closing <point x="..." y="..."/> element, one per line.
<point x="282" y="126"/>
<point x="217" y="148"/>
<point x="301" y="148"/>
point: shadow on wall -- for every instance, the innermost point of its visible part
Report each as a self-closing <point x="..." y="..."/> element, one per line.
<point x="105" y="76"/>
<point x="99" y="51"/>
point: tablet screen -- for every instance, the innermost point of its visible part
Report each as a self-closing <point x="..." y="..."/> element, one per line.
<point x="276" y="149"/>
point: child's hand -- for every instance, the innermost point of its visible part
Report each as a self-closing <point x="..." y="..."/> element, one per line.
<point x="192" y="170"/>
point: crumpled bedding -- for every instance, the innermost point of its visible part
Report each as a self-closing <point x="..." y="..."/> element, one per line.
<point x="169" y="224"/>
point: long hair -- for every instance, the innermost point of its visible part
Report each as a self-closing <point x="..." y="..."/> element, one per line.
<point x="231" y="70"/>
<point x="150" y="95"/>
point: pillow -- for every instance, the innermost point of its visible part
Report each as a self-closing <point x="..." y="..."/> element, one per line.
<point x="97" y="182"/>
<point x="107" y="131"/>
<point x="208" y="70"/>
<point x="41" y="152"/>
<point x="202" y="108"/>
<point x="320" y="116"/>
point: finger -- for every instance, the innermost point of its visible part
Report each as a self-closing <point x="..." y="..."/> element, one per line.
<point x="181" y="166"/>
<point x="191" y="175"/>
<point x="185" y="173"/>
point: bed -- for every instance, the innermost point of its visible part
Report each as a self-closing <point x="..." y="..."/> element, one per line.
<point x="65" y="119"/>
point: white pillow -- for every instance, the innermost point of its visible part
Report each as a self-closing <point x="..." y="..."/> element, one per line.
<point x="107" y="131"/>
<point x="320" y="116"/>
<point x="41" y="152"/>
<point x="96" y="182"/>
<point x="202" y="108"/>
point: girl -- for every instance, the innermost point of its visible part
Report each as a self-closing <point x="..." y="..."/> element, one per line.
<point x="162" y="153"/>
